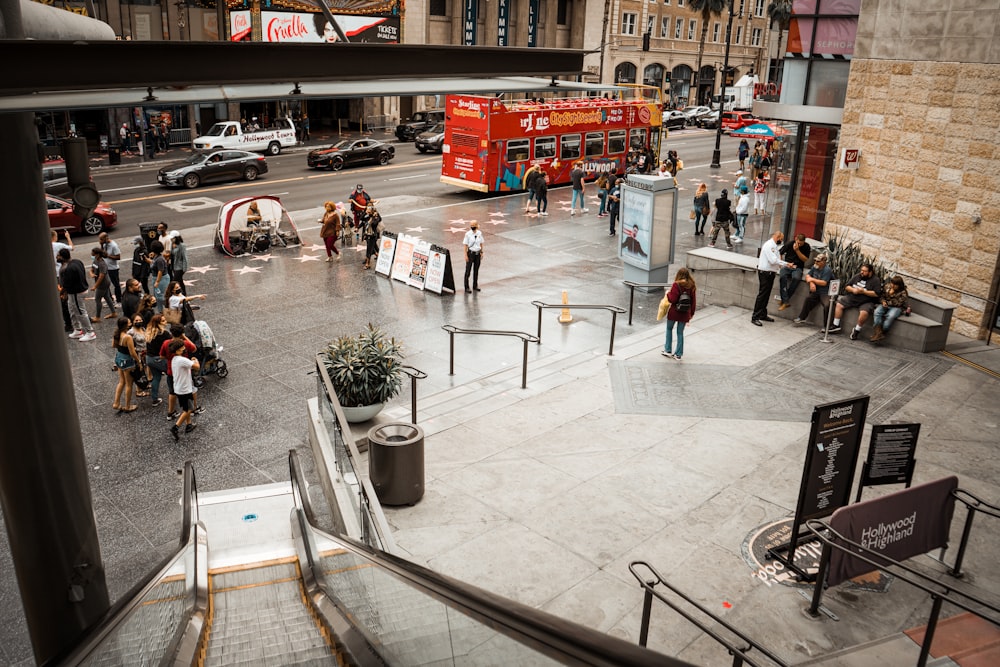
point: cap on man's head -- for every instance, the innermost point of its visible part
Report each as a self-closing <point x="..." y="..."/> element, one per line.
<point x="137" y="240"/>
<point x="739" y="172"/>
<point x="359" y="187"/>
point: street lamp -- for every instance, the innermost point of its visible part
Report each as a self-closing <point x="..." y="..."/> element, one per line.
<point x="716" y="154"/>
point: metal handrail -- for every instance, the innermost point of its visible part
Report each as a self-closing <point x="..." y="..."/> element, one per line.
<point x="415" y="374"/>
<point x="631" y="284"/>
<point x="976" y="504"/>
<point x="558" y="638"/>
<point x="833" y="540"/>
<point x="615" y="311"/>
<point x="525" y="338"/>
<point x="192" y="536"/>
<point x="739" y="654"/>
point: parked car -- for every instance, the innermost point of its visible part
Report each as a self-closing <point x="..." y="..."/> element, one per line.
<point x="54" y="179"/>
<point x="431" y="140"/>
<point x="350" y="151"/>
<point x="709" y="120"/>
<point x="61" y="216"/>
<point x="734" y="120"/>
<point x="213" y="166"/>
<point x="421" y="121"/>
<point x="674" y="120"/>
<point x="692" y="114"/>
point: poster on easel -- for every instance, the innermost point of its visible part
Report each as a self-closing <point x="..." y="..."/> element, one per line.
<point x="386" y="252"/>
<point x="403" y="258"/>
<point x="418" y="265"/>
<point x="436" y="263"/>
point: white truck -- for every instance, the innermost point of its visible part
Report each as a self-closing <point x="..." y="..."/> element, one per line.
<point x="231" y="134"/>
<point x="740" y="96"/>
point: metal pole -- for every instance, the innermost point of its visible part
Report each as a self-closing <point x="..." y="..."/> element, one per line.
<point x="717" y="153"/>
<point x="44" y="489"/>
<point x="451" y="353"/>
<point x="611" y="348"/>
<point x="631" y="300"/>
<point x="413" y="399"/>
<point x="925" y="647"/>
<point x="647" y="605"/>
<point x="824" y="563"/>
<point x="524" y="365"/>
<point x="956" y="571"/>
<point x="539" y="341"/>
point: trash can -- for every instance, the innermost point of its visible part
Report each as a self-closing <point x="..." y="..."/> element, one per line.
<point x="147" y="230"/>
<point x="114" y="155"/>
<point x="396" y="462"/>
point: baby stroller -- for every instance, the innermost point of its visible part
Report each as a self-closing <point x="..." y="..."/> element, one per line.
<point x="207" y="354"/>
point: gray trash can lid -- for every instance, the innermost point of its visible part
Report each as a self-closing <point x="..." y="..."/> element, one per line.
<point x="395" y="433"/>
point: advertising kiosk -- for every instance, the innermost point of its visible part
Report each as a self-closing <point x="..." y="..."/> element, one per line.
<point x="648" y="228"/>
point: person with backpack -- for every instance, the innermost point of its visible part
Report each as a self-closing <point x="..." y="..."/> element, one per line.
<point x="723" y="216"/>
<point x="683" y="303"/>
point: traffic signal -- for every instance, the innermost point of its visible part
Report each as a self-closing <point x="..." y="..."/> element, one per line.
<point x="85" y="194"/>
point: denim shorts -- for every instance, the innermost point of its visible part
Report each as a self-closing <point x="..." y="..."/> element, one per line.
<point x="124" y="361"/>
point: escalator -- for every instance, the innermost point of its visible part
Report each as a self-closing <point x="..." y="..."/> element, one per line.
<point x="275" y="590"/>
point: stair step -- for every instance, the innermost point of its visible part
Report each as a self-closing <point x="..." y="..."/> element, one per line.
<point x="962" y="635"/>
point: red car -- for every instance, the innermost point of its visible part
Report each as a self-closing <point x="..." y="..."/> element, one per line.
<point x="61" y="216"/>
<point x="734" y="120"/>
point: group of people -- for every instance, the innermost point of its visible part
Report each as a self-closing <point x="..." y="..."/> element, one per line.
<point x="366" y="225"/>
<point x="864" y="290"/>
<point x="725" y="214"/>
<point x="149" y="339"/>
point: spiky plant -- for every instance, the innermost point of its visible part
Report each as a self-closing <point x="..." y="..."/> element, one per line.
<point x="846" y="257"/>
<point x="365" y="369"/>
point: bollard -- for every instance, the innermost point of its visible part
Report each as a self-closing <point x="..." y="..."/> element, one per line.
<point x="565" y="317"/>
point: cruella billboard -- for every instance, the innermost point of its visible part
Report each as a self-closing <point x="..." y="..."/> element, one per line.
<point x="366" y="22"/>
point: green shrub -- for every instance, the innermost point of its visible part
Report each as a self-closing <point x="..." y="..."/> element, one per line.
<point x="365" y="369"/>
<point x="846" y="258"/>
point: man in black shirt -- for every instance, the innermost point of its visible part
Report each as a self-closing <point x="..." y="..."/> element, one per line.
<point x="795" y="252"/>
<point x="862" y="292"/>
<point x="73" y="282"/>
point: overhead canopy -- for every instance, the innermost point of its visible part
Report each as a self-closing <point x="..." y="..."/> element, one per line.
<point x="99" y="74"/>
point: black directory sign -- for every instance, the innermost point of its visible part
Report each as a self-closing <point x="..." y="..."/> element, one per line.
<point x="891" y="455"/>
<point x="831" y="458"/>
<point x="828" y="473"/>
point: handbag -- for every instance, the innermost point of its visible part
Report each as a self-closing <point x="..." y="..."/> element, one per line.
<point x="705" y="211"/>
<point x="661" y="312"/>
<point x="139" y="378"/>
<point x="172" y="315"/>
<point x="692" y="215"/>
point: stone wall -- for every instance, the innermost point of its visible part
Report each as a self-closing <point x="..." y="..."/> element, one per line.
<point x="926" y="196"/>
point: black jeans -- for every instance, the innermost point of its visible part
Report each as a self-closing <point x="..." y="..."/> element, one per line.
<point x="472" y="265"/>
<point x="115" y="277"/>
<point x="766" y="279"/>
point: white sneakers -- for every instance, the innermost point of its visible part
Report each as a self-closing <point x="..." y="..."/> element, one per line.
<point x="87" y="337"/>
<point x="77" y="334"/>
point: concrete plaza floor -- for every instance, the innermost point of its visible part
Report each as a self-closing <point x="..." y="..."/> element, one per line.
<point x="543" y="494"/>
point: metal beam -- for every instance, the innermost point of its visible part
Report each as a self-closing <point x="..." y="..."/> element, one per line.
<point x="61" y="65"/>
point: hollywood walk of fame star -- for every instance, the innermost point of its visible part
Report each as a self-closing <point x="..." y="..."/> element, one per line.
<point x="263" y="258"/>
<point x="247" y="269"/>
<point x="307" y="258"/>
<point x="314" y="247"/>
<point x="495" y="222"/>
<point x="458" y="221"/>
<point x="202" y="269"/>
<point x="456" y="230"/>
<point x="498" y="214"/>
<point x="418" y="230"/>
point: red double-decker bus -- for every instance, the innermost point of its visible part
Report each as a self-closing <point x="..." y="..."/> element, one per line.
<point x="489" y="143"/>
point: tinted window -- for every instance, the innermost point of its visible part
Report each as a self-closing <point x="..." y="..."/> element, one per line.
<point x="545" y="147"/>
<point x="595" y="144"/>
<point x="637" y="138"/>
<point x="517" y="150"/>
<point x="616" y="142"/>
<point x="569" y="147"/>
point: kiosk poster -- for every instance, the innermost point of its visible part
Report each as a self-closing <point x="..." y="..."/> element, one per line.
<point x="437" y="270"/>
<point x="890" y="454"/>
<point x="418" y="266"/>
<point x="386" y="252"/>
<point x="637" y="222"/>
<point x="831" y="458"/>
<point x="403" y="258"/>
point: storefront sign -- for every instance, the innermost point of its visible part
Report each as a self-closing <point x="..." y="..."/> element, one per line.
<point x="503" y="21"/>
<point x="386" y="253"/>
<point x="532" y="22"/>
<point x="436" y="264"/>
<point x="850" y="158"/>
<point x="470" y="20"/>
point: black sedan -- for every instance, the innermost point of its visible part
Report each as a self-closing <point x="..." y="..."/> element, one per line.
<point x="212" y="166"/>
<point x="350" y="151"/>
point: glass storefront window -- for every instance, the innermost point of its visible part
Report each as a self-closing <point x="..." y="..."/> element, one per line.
<point x="813" y="177"/>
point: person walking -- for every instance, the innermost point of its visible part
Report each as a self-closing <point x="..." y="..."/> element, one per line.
<point x="305" y="127"/>
<point x="533" y="172"/>
<point x="701" y="209"/>
<point x="473" y="243"/>
<point x="372" y="231"/>
<point x="602" y="194"/>
<point x="743" y="153"/>
<point x="768" y="265"/>
<point x="576" y="176"/>
<point x="140" y="264"/>
<point x="742" y="211"/>
<point x="102" y="286"/>
<point x="683" y="303"/>
<point x="614" y="206"/>
<point x="126" y="358"/>
<point x="73" y="280"/>
<point x="723" y="216"/>
<point x="333" y="220"/>
<point x="182" y="369"/>
<point x="160" y="273"/>
<point x="541" y="189"/>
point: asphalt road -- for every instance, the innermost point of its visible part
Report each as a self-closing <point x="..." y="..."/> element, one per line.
<point x="410" y="182"/>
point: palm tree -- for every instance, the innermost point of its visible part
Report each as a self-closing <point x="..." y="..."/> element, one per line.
<point x="780" y="13"/>
<point x="707" y="9"/>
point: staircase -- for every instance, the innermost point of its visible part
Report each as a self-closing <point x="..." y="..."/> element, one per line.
<point x="260" y="617"/>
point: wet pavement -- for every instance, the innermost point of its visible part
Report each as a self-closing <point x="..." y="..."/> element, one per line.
<point x="543" y="494"/>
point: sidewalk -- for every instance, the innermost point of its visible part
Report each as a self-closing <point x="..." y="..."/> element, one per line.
<point x="542" y="494"/>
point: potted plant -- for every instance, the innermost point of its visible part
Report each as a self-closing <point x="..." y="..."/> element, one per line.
<point x="366" y="371"/>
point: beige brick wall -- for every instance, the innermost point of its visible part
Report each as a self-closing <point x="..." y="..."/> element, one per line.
<point x="926" y="196"/>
